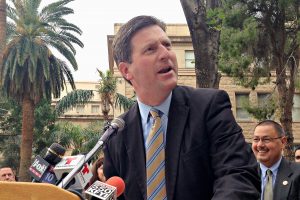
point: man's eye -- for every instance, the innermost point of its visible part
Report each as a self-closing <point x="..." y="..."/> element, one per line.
<point x="168" y="45"/>
<point x="267" y="140"/>
<point x="149" y="50"/>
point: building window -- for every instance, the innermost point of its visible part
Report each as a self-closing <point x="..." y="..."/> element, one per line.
<point x="264" y="100"/>
<point x="189" y="59"/>
<point x="80" y="108"/>
<point x="95" y="109"/>
<point x="296" y="108"/>
<point x="241" y="112"/>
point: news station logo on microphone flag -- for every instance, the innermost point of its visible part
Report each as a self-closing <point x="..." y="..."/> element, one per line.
<point x="38" y="168"/>
<point x="102" y="191"/>
<point x="68" y="163"/>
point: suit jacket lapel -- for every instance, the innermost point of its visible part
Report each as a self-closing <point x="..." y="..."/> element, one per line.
<point x="283" y="180"/>
<point x="176" y="122"/>
<point x="133" y="141"/>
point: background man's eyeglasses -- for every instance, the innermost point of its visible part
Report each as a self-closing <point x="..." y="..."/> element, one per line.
<point x="264" y="140"/>
<point x="297" y="157"/>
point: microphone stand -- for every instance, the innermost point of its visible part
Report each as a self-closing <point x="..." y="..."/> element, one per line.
<point x="99" y="145"/>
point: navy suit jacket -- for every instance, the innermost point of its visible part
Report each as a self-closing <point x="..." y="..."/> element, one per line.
<point x="206" y="153"/>
<point x="287" y="183"/>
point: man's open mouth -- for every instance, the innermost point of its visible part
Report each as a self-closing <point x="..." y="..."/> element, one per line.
<point x="165" y="70"/>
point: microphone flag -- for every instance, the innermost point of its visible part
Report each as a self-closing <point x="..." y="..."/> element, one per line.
<point x="38" y="168"/>
<point x="102" y="191"/>
<point x="67" y="164"/>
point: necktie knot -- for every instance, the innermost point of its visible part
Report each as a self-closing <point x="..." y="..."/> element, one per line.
<point x="269" y="172"/>
<point x="154" y="113"/>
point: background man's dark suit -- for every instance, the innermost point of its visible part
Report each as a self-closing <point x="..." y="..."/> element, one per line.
<point x="206" y="154"/>
<point x="287" y="184"/>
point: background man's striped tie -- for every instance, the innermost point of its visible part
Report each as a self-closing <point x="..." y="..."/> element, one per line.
<point x="155" y="160"/>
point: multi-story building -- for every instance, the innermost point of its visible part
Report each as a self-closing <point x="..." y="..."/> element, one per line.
<point x="182" y="45"/>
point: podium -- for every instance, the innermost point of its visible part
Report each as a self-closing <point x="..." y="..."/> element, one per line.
<point x="33" y="191"/>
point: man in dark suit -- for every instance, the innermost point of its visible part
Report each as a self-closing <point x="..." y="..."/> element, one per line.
<point x="205" y="153"/>
<point x="268" y="143"/>
<point x="297" y="154"/>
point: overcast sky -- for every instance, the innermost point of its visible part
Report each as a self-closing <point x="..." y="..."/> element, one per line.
<point x="96" y="18"/>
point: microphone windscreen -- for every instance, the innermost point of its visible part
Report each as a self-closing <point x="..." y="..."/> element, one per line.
<point x="118" y="123"/>
<point x="55" y="153"/>
<point x="117" y="182"/>
<point x="58" y="149"/>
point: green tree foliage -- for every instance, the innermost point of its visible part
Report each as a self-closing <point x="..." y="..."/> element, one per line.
<point x="46" y="132"/>
<point x="264" y="110"/>
<point x="124" y="102"/>
<point x="259" y="38"/>
<point x="76" y="97"/>
<point x="80" y="140"/>
<point x="10" y="117"/>
<point x="44" y="126"/>
<point x="10" y="130"/>
<point x="30" y="70"/>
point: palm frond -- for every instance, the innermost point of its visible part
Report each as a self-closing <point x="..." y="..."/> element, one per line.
<point x="72" y="99"/>
<point x="123" y="102"/>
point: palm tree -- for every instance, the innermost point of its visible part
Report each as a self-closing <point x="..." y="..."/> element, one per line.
<point x="2" y="29"/>
<point x="107" y="90"/>
<point x="30" y="70"/>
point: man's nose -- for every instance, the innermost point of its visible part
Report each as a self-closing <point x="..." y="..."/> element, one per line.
<point x="164" y="52"/>
<point x="260" y="143"/>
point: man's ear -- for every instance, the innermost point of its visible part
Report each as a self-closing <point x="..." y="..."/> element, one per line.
<point x="284" y="140"/>
<point x="124" y="69"/>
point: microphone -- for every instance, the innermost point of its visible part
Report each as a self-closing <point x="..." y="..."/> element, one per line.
<point x="67" y="164"/>
<point x="115" y="125"/>
<point x="109" y="190"/>
<point x="42" y="168"/>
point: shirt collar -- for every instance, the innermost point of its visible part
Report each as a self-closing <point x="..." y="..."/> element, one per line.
<point x="273" y="168"/>
<point x="163" y="107"/>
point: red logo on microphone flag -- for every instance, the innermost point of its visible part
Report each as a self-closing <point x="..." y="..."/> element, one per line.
<point x="85" y="169"/>
<point x="70" y="159"/>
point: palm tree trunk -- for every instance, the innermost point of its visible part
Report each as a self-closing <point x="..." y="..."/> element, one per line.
<point x="27" y="137"/>
<point x="2" y="31"/>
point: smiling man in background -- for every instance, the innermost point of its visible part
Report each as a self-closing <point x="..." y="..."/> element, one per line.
<point x="280" y="178"/>
<point x="297" y="154"/>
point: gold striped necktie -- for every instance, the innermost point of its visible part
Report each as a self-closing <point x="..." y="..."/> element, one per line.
<point x="155" y="160"/>
<point x="268" y="190"/>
